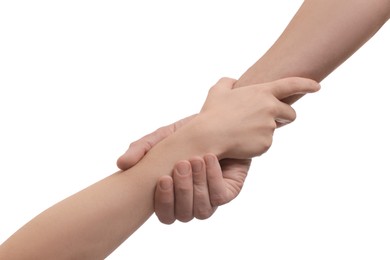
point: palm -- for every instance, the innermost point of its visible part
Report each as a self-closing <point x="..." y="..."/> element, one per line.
<point x="234" y="172"/>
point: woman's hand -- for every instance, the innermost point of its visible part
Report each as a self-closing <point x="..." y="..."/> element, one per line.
<point x="206" y="183"/>
<point x="239" y="123"/>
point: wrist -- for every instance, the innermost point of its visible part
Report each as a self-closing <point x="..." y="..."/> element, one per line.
<point x="201" y="136"/>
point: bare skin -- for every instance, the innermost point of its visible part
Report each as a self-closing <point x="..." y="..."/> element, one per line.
<point x="318" y="39"/>
<point x="94" y="221"/>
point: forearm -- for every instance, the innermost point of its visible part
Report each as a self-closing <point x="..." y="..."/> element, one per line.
<point x="88" y="225"/>
<point x="320" y="37"/>
<point x="95" y="221"/>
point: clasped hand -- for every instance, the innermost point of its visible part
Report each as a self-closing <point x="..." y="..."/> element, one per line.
<point x="239" y="123"/>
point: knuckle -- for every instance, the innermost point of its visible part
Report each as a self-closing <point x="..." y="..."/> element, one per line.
<point x="271" y="106"/>
<point x="164" y="201"/>
<point x="268" y="126"/>
<point x="183" y="189"/>
<point x="135" y="143"/>
<point x="164" y="131"/>
<point x="213" y="89"/>
<point x="272" y="109"/>
<point x="266" y="145"/>
<point x="226" y="80"/>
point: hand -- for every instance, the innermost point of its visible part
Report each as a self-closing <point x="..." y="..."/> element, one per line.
<point x="139" y="148"/>
<point x="234" y="171"/>
<point x="224" y="180"/>
<point x="200" y="186"/>
<point x="239" y="123"/>
<point x="258" y="108"/>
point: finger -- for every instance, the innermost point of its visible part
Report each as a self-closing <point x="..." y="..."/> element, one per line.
<point x="164" y="200"/>
<point x="139" y="148"/>
<point x="182" y="177"/>
<point x="216" y="184"/>
<point x="134" y="153"/>
<point x="286" y="87"/>
<point x="286" y="114"/>
<point x="202" y="206"/>
<point x="292" y="99"/>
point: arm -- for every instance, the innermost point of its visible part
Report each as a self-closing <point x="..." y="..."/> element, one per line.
<point x="93" y="222"/>
<point x="319" y="38"/>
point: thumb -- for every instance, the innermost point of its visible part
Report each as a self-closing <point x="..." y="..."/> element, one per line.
<point x="134" y="153"/>
<point x="287" y="87"/>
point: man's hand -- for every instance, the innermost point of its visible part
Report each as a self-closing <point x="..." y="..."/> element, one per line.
<point x="199" y="191"/>
<point x="200" y="186"/>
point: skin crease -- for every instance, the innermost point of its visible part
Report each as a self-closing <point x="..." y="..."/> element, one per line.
<point x="93" y="222"/>
<point x="312" y="46"/>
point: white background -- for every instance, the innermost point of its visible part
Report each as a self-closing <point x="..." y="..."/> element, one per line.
<point x="80" y="80"/>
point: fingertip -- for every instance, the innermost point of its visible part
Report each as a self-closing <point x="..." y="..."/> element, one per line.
<point x="314" y="84"/>
<point x="182" y="167"/>
<point x="210" y="159"/>
<point x="121" y="163"/>
<point x="318" y="86"/>
<point x="314" y="87"/>
<point x="126" y="161"/>
<point x="166" y="221"/>
<point x="306" y="85"/>
<point x="197" y="164"/>
<point x="164" y="200"/>
<point x="165" y="183"/>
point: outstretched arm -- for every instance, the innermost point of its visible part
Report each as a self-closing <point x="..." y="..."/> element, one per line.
<point x="93" y="222"/>
<point x="320" y="37"/>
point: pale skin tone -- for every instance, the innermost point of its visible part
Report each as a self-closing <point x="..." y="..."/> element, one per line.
<point x="312" y="54"/>
<point x="320" y="37"/>
<point x="95" y="221"/>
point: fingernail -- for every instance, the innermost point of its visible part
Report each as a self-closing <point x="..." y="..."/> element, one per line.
<point x="183" y="168"/>
<point x="165" y="184"/>
<point x="209" y="159"/>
